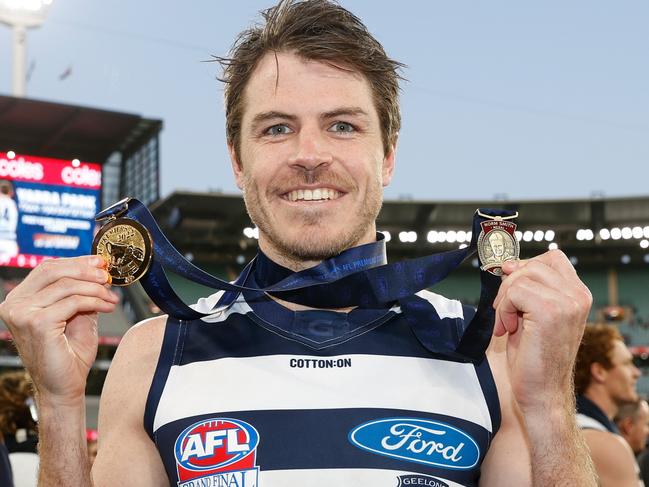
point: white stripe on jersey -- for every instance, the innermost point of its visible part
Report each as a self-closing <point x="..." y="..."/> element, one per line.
<point x="372" y="381"/>
<point x="587" y="423"/>
<point x="206" y="305"/>
<point x="349" y="477"/>
<point x="446" y="308"/>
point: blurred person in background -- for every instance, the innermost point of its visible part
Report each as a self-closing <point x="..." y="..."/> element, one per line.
<point x="8" y="221"/>
<point x="6" y="475"/>
<point x="91" y="441"/>
<point x="605" y="381"/>
<point x="18" y="426"/>
<point x="632" y="420"/>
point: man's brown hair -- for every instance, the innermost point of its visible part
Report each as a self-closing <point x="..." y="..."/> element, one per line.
<point x="316" y="30"/>
<point x="596" y="347"/>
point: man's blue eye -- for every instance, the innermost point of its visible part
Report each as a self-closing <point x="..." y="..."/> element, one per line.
<point x="342" y="127"/>
<point x="278" y="130"/>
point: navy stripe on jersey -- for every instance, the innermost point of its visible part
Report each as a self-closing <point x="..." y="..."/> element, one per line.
<point x="242" y="336"/>
<point x="170" y="343"/>
<point x="319" y="439"/>
<point x="488" y="385"/>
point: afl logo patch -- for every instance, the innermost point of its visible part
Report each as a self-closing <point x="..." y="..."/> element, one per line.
<point x="223" y="449"/>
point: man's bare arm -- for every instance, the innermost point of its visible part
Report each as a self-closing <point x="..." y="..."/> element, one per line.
<point x="541" y="310"/>
<point x="559" y="454"/>
<point x="508" y="459"/>
<point x="126" y="454"/>
<point x="513" y="459"/>
<point x="63" y="453"/>
<point x="52" y="316"/>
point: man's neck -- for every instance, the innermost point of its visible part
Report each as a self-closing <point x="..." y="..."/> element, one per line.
<point x="603" y="401"/>
<point x="298" y="263"/>
<point x="301" y="307"/>
<point x="290" y="262"/>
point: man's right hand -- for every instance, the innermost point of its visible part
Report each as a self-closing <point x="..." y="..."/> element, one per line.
<point x="52" y="316"/>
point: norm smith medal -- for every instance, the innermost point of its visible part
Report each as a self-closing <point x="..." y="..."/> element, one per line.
<point x="126" y="247"/>
<point x="497" y="243"/>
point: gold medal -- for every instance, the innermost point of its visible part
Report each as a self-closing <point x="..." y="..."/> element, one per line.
<point x="127" y="248"/>
<point x="497" y="243"/>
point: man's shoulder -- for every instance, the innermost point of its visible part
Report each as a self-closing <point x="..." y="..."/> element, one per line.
<point x="131" y="371"/>
<point x="612" y="456"/>
<point x="145" y="334"/>
<point x="139" y="348"/>
<point x="613" y="446"/>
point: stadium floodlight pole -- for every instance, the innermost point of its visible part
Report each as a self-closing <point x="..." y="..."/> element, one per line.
<point x="22" y="15"/>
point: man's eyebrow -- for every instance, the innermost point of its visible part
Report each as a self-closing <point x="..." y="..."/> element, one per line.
<point x="265" y="116"/>
<point x="349" y="111"/>
<point x="274" y="115"/>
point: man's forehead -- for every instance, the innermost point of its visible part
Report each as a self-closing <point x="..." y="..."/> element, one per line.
<point x="621" y="351"/>
<point x="284" y="77"/>
<point x="271" y="65"/>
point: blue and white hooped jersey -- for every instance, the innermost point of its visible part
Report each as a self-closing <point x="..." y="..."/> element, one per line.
<point x="237" y="401"/>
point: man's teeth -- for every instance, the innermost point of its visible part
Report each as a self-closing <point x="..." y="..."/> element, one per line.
<point x="313" y="194"/>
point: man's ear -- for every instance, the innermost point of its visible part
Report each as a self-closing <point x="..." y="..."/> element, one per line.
<point x="625" y="425"/>
<point x="237" y="169"/>
<point x="598" y="372"/>
<point x="388" y="164"/>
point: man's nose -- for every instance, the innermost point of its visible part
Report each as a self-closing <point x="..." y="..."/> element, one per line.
<point x="312" y="150"/>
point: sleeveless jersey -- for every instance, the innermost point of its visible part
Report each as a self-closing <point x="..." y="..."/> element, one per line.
<point x="321" y="401"/>
<point x="590" y="416"/>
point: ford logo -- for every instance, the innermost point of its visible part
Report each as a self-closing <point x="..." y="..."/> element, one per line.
<point x="215" y="443"/>
<point x="418" y="440"/>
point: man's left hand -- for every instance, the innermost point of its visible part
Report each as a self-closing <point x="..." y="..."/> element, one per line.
<point x="543" y="306"/>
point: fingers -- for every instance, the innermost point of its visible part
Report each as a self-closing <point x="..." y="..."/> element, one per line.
<point x="89" y="268"/>
<point x="83" y="280"/>
<point x="68" y="286"/>
<point x="533" y="269"/>
<point x="545" y="289"/>
<point x="64" y="309"/>
<point x="555" y="259"/>
<point x="530" y="300"/>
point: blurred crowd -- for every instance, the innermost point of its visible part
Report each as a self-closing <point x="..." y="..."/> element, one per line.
<point x="19" y="432"/>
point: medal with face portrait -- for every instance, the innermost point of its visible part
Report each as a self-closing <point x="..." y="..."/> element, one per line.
<point x="497" y="244"/>
<point x="126" y="247"/>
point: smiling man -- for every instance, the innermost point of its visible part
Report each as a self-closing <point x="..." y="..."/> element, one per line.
<point x="271" y="393"/>
<point x="310" y="158"/>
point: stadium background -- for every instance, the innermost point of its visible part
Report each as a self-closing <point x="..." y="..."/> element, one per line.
<point x="607" y="239"/>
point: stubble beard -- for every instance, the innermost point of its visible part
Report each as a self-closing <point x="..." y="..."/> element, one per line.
<point x="314" y="243"/>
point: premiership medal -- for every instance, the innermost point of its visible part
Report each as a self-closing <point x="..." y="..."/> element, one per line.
<point x="126" y="247"/>
<point x="497" y="243"/>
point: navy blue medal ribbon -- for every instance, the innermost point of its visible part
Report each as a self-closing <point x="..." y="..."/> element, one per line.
<point x="358" y="277"/>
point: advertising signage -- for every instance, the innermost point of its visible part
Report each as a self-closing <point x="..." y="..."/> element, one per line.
<point x="47" y="208"/>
